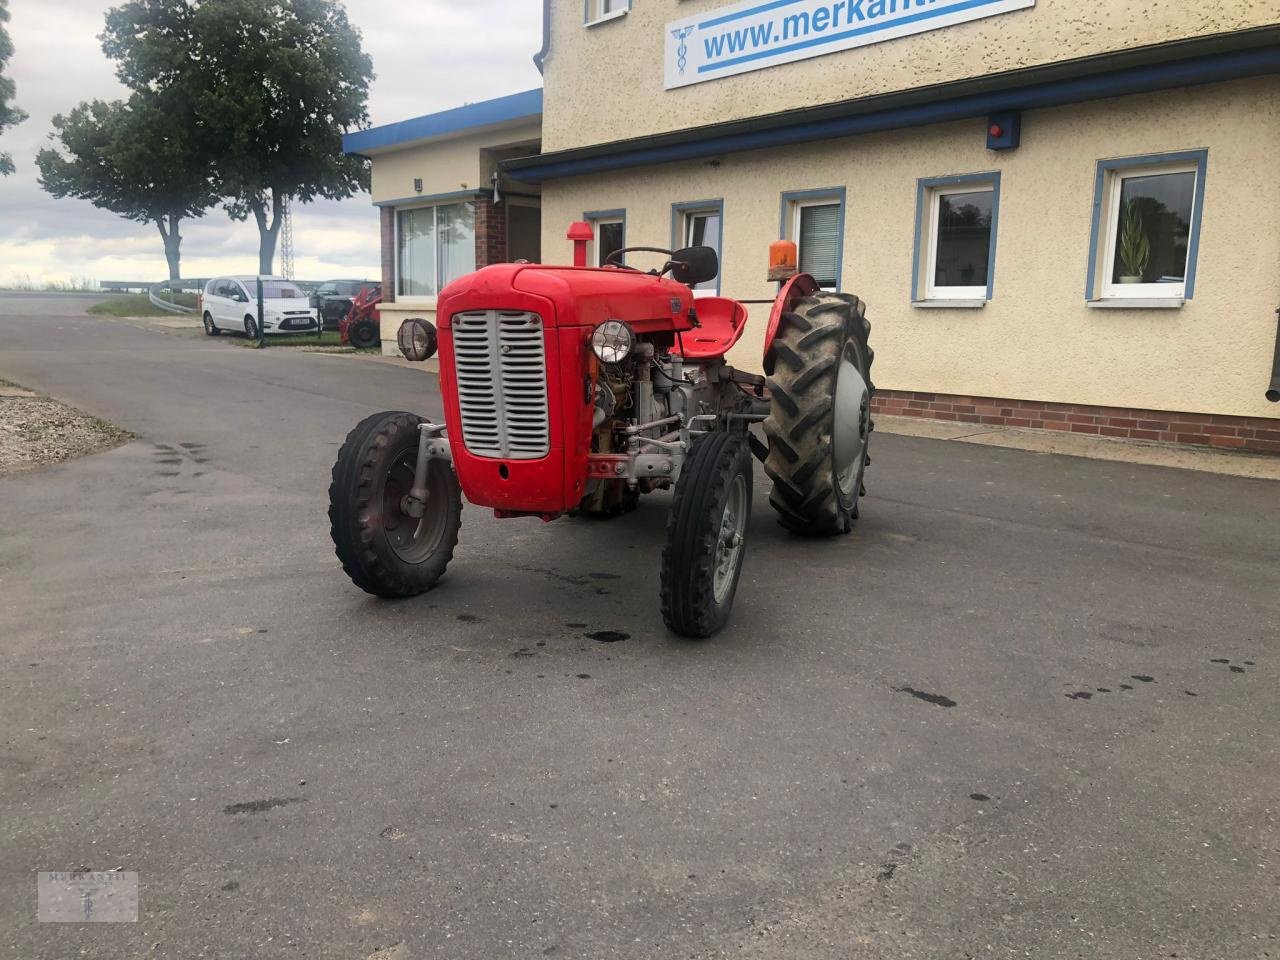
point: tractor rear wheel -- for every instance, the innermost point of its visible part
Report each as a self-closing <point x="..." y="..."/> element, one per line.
<point x="363" y="334"/>
<point x="706" y="535"/>
<point x="819" y="420"/>
<point x="384" y="550"/>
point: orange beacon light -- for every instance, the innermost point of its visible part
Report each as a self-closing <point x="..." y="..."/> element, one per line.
<point x="782" y="260"/>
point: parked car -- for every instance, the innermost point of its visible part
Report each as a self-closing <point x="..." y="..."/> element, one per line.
<point x="230" y="304"/>
<point x="333" y="299"/>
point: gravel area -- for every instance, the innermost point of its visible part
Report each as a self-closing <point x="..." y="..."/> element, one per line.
<point x="36" y="430"/>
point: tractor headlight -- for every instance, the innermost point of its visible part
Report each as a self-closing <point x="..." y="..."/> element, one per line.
<point x="613" y="341"/>
<point x="417" y="339"/>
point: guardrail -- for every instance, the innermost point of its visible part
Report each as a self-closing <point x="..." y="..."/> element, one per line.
<point x="162" y="304"/>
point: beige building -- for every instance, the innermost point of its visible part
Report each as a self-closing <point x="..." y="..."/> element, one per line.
<point x="1061" y="214"/>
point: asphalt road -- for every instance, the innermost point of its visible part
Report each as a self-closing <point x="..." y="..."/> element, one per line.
<point x="1028" y="709"/>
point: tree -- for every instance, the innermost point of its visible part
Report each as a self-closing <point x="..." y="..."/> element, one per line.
<point x="140" y="159"/>
<point x="274" y="83"/>
<point x="9" y="114"/>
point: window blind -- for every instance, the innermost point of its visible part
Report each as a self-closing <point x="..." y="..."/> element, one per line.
<point x="819" y="242"/>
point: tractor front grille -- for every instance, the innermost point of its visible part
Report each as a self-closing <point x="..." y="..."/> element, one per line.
<point x="500" y="365"/>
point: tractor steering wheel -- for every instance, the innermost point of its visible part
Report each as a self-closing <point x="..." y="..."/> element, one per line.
<point x="615" y="258"/>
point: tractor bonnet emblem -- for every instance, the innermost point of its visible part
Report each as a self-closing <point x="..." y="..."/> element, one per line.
<point x="682" y="52"/>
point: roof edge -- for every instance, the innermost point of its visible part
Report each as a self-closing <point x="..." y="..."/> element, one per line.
<point x="526" y="105"/>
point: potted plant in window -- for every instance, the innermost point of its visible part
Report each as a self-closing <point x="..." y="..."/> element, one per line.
<point x="1135" y="248"/>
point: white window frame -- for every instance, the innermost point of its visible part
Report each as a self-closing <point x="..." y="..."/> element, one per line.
<point x="597" y="259"/>
<point x="1108" y="289"/>
<point x="415" y="300"/>
<point x="685" y="215"/>
<point x="594" y="12"/>
<point x="932" y="291"/>
<point x="831" y="200"/>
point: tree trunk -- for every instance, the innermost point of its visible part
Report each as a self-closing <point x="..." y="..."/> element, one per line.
<point x="268" y="232"/>
<point x="172" y="244"/>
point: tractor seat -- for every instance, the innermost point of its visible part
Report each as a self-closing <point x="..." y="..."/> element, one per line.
<point x="722" y="322"/>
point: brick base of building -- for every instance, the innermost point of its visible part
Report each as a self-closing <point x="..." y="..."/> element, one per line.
<point x="1258" y="434"/>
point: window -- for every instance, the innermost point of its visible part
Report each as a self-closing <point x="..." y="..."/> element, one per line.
<point x="700" y="224"/>
<point x="956" y="240"/>
<point x="595" y="11"/>
<point x="814" y="220"/>
<point x="1146" y="228"/>
<point x="277" y="290"/>
<point x="434" y="246"/>
<point x="610" y="228"/>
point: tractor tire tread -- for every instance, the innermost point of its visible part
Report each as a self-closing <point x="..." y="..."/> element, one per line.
<point x="688" y="600"/>
<point x="799" y="427"/>
<point x="352" y="524"/>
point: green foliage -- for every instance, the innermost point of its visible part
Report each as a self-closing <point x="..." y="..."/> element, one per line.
<point x="9" y="114"/>
<point x="273" y="85"/>
<point x="1135" y="246"/>
<point x="142" y="158"/>
<point x="120" y="156"/>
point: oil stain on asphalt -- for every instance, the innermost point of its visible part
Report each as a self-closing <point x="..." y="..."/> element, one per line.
<point x="608" y="636"/>
<point x="937" y="699"/>
<point x="261" y="806"/>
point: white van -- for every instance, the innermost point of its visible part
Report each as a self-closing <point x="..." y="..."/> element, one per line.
<point x="230" y="304"/>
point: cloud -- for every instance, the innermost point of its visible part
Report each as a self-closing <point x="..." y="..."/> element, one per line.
<point x="428" y="55"/>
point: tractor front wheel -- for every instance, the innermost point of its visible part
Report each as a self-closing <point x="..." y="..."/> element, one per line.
<point x="819" y="423"/>
<point x="383" y="548"/>
<point x="706" y="535"/>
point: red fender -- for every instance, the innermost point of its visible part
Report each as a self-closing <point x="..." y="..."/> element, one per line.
<point x="794" y="290"/>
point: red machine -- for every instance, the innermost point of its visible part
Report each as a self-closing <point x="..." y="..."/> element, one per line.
<point x="574" y="390"/>
<point x="360" y="327"/>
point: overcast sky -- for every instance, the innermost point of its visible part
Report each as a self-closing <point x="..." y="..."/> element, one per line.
<point x="428" y="55"/>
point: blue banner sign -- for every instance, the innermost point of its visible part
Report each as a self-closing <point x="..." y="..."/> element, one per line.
<point x="756" y="34"/>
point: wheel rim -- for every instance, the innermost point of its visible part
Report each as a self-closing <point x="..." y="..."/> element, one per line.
<point x="852" y="411"/>
<point x="730" y="537"/>
<point x="208" y="325"/>
<point x="413" y="539"/>
<point x="250" y="329"/>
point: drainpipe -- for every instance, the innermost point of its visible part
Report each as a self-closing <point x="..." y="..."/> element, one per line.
<point x="540" y="57"/>
<point x="1273" y="391"/>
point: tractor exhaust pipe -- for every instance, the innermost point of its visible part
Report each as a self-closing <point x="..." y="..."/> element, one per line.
<point x="1273" y="391"/>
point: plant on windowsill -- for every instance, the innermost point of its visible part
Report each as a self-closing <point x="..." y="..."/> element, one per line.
<point x="1135" y="248"/>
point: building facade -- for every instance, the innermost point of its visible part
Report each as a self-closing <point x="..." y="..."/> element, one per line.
<point x="1061" y="214"/>
<point x="443" y="208"/>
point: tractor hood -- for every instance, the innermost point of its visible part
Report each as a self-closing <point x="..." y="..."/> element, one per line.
<point x="577" y="296"/>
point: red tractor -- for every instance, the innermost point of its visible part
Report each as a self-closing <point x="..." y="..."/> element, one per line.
<point x="360" y="327"/>
<point x="573" y="390"/>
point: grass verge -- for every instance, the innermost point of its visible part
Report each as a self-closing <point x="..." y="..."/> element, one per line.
<point x="138" y="305"/>
<point x="328" y="342"/>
